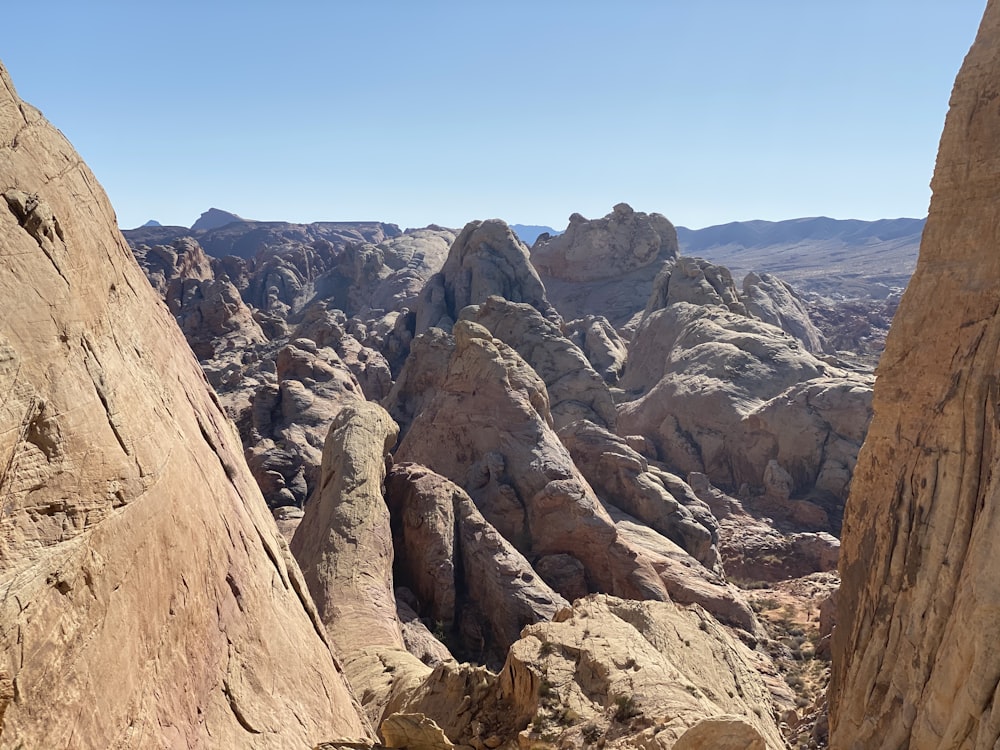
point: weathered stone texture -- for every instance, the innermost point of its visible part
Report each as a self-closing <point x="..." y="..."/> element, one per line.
<point x="916" y="655"/>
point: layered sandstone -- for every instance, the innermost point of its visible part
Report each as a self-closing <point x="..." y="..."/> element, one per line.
<point x="916" y="661"/>
<point x="147" y="599"/>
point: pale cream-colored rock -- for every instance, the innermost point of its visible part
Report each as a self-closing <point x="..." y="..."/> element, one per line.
<point x="611" y="669"/>
<point x="723" y="394"/>
<point x="770" y="299"/>
<point x="413" y="732"/>
<point x="626" y="479"/>
<point x="916" y="660"/>
<point x="721" y="733"/>
<point x="598" y="248"/>
<point x="697" y="282"/>
<point x="146" y="598"/>
<point x="605" y="349"/>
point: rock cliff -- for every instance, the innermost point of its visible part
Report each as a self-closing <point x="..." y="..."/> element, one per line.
<point x="146" y="599"/>
<point x="916" y="661"/>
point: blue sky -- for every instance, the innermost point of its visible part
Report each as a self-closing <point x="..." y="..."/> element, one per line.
<point x="420" y="112"/>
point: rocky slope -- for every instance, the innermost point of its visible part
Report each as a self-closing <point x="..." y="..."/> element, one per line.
<point x="915" y="661"/>
<point x="147" y="599"/>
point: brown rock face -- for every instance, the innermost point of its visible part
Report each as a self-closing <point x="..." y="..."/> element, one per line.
<point x="605" y="266"/>
<point x="471" y="581"/>
<point x="147" y="599"/>
<point x="487" y="258"/>
<point x="575" y="390"/>
<point x="915" y="654"/>
<point x="344" y="545"/>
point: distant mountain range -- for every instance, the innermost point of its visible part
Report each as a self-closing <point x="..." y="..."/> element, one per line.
<point x="832" y="257"/>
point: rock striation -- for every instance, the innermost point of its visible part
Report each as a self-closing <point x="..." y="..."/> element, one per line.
<point x="146" y="597"/>
<point x="915" y="662"/>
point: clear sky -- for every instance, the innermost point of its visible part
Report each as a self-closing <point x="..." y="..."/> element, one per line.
<point x="418" y="112"/>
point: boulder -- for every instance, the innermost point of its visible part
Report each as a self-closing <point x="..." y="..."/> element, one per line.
<point x="697" y="282"/>
<point x="600" y="342"/>
<point x="645" y="672"/>
<point x="770" y="299"/>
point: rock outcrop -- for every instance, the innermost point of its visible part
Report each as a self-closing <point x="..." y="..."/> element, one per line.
<point x="650" y="674"/>
<point x="488" y="428"/>
<point x="146" y="597"/>
<point x="915" y="662"/>
<point x="724" y="394"/>
<point x="344" y="545"/>
<point x="486" y="259"/>
<point x="605" y="266"/>
<point x="575" y="389"/>
<point x="772" y="300"/>
<point x="470" y="581"/>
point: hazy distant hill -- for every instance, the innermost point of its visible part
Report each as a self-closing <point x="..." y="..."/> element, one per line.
<point x="221" y="233"/>
<point x="214" y="218"/>
<point x="828" y="256"/>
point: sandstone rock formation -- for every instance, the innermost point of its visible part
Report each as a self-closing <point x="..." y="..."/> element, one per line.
<point x="486" y="259"/>
<point x="724" y="394"/>
<point x="915" y="662"/>
<point x="605" y="349"/>
<point x="650" y="674"/>
<point x="624" y="478"/>
<point x="290" y="416"/>
<point x="488" y="426"/>
<point x="469" y="579"/>
<point x="697" y="282"/>
<point x="605" y="266"/>
<point x="491" y="411"/>
<point x="147" y="598"/>
<point x="772" y="300"/>
<point x="344" y="545"/>
<point x="575" y="390"/>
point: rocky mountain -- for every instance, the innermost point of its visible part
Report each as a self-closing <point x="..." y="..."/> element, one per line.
<point x="842" y="258"/>
<point x="582" y="494"/>
<point x="915" y="664"/>
<point x="147" y="599"/>
<point x="215" y="218"/>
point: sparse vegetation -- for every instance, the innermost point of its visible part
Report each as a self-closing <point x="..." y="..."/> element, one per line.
<point x="626" y="708"/>
<point x="591" y="733"/>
